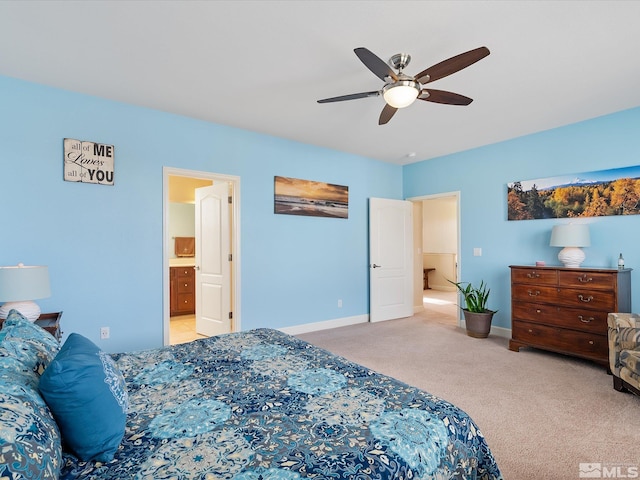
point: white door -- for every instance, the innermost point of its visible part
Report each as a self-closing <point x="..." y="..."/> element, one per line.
<point x="213" y="278"/>
<point x="390" y="259"/>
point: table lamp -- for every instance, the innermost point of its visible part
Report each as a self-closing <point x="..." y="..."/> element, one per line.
<point x="571" y="237"/>
<point x="19" y="286"/>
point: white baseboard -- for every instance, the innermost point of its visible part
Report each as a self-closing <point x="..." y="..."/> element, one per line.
<point x="501" y="332"/>
<point x="443" y="288"/>
<point x="325" y="325"/>
<point x="346" y="321"/>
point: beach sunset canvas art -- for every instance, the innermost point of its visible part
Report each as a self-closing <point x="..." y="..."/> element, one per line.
<point x="305" y="197"/>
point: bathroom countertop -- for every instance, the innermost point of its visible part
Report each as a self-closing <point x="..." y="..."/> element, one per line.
<point x="182" y="262"/>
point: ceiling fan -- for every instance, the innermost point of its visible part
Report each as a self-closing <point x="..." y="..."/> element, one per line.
<point x="401" y="90"/>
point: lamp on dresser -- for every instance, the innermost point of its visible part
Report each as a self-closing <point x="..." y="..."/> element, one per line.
<point x="19" y="286"/>
<point x="571" y="237"/>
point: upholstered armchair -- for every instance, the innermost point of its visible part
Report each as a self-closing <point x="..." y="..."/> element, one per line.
<point x="624" y="351"/>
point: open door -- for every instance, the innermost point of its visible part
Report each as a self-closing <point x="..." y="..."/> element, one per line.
<point x="213" y="277"/>
<point x="390" y="259"/>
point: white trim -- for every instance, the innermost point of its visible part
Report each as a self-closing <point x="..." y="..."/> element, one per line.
<point x="236" y="270"/>
<point x="501" y="332"/>
<point x="325" y="325"/>
<point x="497" y="331"/>
<point x="346" y="321"/>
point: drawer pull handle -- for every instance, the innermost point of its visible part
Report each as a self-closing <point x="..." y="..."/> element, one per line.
<point x="590" y="342"/>
<point x="586" y="320"/>
<point x="186" y="284"/>
<point x="533" y="275"/>
<point x="532" y="294"/>
<point x="538" y="311"/>
<point x="530" y="331"/>
<point x="585" y="279"/>
<point x="585" y="300"/>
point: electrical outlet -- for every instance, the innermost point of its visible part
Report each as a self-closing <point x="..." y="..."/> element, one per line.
<point x="104" y="333"/>
<point x="340" y="303"/>
<point x="477" y="252"/>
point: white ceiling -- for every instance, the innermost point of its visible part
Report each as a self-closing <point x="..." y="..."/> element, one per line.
<point x="261" y="65"/>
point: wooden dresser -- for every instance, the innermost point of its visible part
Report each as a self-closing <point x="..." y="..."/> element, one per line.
<point x="565" y="309"/>
<point x="182" y="291"/>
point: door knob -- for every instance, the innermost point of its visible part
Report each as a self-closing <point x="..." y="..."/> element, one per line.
<point x="376" y="266"/>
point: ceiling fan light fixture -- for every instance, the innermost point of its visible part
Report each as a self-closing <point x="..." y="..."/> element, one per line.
<point x="401" y="90"/>
<point x="401" y="93"/>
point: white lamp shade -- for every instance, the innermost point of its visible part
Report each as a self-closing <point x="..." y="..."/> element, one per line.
<point x="570" y="235"/>
<point x="20" y="285"/>
<point x="401" y="94"/>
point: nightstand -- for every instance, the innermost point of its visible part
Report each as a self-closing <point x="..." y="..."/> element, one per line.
<point x="51" y="323"/>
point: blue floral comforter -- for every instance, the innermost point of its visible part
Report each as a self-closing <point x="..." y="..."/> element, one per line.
<point x="265" y="405"/>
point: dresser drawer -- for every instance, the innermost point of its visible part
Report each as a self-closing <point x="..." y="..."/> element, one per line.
<point x="185" y="285"/>
<point x="585" y="320"/>
<point x="587" y="298"/>
<point x="534" y="293"/>
<point x="590" y="280"/>
<point x="185" y="302"/>
<point x="561" y="340"/>
<point x="534" y="276"/>
<point x="575" y="318"/>
<point x="184" y="272"/>
<point x="535" y="312"/>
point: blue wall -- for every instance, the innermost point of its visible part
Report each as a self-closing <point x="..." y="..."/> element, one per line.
<point x="103" y="244"/>
<point x="482" y="174"/>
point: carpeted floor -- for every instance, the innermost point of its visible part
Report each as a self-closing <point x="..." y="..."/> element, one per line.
<point x="542" y="414"/>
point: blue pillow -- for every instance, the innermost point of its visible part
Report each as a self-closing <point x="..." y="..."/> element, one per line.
<point x="14" y="371"/>
<point x="17" y="325"/>
<point x="87" y="396"/>
<point x="32" y="345"/>
<point x="30" y="445"/>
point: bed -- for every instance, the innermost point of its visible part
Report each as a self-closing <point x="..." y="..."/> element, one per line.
<point x="262" y="404"/>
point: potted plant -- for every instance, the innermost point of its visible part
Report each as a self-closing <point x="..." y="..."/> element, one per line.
<point x="477" y="316"/>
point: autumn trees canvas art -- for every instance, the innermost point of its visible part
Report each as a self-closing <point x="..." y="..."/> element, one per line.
<point x="593" y="194"/>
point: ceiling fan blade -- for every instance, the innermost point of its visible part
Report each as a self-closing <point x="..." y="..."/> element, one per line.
<point x="375" y="64"/>
<point x="387" y="112"/>
<point x="440" y="96"/>
<point x="352" y="96"/>
<point x="452" y="65"/>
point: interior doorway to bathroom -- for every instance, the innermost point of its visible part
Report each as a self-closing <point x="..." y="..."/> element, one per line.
<point x="182" y="273"/>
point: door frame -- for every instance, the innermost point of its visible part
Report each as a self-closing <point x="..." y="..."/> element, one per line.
<point x="236" y="281"/>
<point x="455" y="194"/>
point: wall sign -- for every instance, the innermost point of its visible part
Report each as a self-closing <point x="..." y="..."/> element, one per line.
<point x="88" y="162"/>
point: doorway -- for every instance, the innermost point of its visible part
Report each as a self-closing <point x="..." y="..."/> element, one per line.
<point x="438" y="244"/>
<point x="179" y="191"/>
